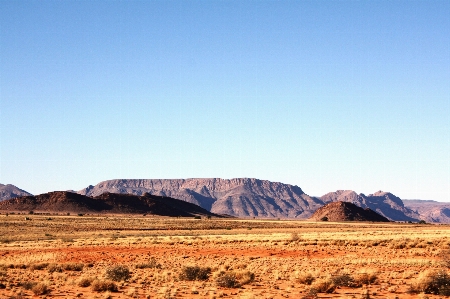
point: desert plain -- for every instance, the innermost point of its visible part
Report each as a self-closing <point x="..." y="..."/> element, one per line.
<point x="119" y="256"/>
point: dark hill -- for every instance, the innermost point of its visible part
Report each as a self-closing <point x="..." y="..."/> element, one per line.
<point x="63" y="201"/>
<point x="346" y="211"/>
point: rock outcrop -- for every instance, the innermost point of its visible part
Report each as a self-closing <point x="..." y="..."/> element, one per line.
<point x="346" y="211"/>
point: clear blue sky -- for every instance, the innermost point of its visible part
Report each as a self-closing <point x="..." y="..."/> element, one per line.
<point x="325" y="95"/>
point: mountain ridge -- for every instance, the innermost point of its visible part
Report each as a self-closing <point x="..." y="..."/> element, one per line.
<point x="241" y="197"/>
<point x="111" y="203"/>
<point x="250" y="197"/>
<point x="10" y="191"/>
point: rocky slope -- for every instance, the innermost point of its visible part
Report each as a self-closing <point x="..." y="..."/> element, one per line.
<point x="242" y="197"/>
<point x="430" y="210"/>
<point x="384" y="203"/>
<point x="346" y="211"/>
<point x="63" y="201"/>
<point x="10" y="191"/>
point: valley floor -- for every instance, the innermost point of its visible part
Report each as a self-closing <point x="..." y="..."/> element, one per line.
<point x="67" y="256"/>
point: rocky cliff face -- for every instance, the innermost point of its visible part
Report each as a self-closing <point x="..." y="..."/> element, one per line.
<point x="10" y="191"/>
<point x="243" y="197"/>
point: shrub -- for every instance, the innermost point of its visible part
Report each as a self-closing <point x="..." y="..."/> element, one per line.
<point x="227" y="280"/>
<point x="54" y="268"/>
<point x="118" y="273"/>
<point x="323" y="285"/>
<point x="432" y="282"/>
<point x="364" y="278"/>
<point x="294" y="237"/>
<point x="325" y="218"/>
<point x="342" y="280"/>
<point x="73" y="267"/>
<point x="28" y="285"/>
<point x="40" y="289"/>
<point x="305" y="278"/>
<point x="40" y="266"/>
<point x="194" y="273"/>
<point x="234" y="279"/>
<point x="103" y="286"/>
<point x="85" y="282"/>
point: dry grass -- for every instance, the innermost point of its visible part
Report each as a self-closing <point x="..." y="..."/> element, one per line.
<point x="245" y="258"/>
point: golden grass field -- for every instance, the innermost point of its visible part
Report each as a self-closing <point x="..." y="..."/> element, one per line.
<point x="74" y="257"/>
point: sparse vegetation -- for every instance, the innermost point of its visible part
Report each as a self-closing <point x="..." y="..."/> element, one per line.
<point x="323" y="285"/>
<point x="104" y="286"/>
<point x="55" y="268"/>
<point x="118" y="273"/>
<point x="85" y="282"/>
<point x="234" y="279"/>
<point x="432" y="282"/>
<point x="328" y="257"/>
<point x="151" y="264"/>
<point x="40" y="288"/>
<point x="195" y="273"/>
<point x="305" y="278"/>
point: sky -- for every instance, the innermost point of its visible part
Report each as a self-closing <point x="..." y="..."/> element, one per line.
<point x="325" y="95"/>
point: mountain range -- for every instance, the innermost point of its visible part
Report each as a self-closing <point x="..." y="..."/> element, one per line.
<point x="249" y="197"/>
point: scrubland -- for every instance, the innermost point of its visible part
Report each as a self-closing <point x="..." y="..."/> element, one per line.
<point x="152" y="257"/>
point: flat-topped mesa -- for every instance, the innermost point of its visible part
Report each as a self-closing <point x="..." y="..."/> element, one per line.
<point x="241" y="197"/>
<point x="346" y="211"/>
